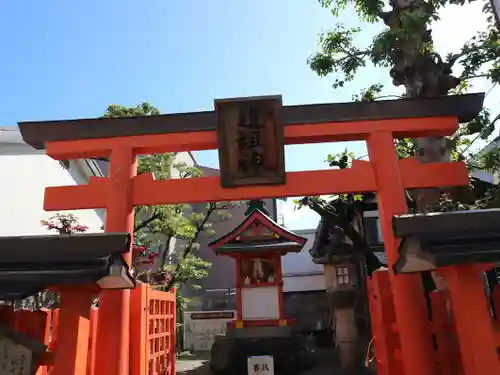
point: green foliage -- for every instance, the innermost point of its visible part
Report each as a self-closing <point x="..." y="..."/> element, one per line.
<point x="405" y="47"/>
<point x="142" y="109"/>
<point x="192" y="270"/>
<point x="407" y="33"/>
<point x="161" y="224"/>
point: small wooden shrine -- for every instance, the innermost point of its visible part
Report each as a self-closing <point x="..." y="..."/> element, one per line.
<point x="257" y="246"/>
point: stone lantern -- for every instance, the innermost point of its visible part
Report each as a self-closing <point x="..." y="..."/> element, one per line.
<point x="342" y="262"/>
<point x="341" y="276"/>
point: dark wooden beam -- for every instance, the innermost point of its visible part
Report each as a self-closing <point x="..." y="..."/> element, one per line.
<point x="436" y="223"/>
<point x="40" y="249"/>
<point x="464" y="107"/>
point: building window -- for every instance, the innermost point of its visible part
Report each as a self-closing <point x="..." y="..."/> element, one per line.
<point x="343" y="276"/>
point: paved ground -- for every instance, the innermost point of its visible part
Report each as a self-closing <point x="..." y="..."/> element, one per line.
<point x="192" y="367"/>
<point x="199" y="365"/>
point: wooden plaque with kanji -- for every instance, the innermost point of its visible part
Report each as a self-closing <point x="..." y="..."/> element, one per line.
<point x="251" y="141"/>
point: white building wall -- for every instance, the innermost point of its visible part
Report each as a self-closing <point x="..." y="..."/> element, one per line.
<point x="25" y="174"/>
<point x="300" y="274"/>
<point x="186" y="159"/>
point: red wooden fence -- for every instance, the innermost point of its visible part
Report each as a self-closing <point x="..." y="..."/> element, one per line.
<point x="385" y="332"/>
<point x="152" y="332"/>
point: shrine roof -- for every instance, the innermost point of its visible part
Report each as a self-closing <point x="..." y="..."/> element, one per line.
<point x="249" y="247"/>
<point x="463" y="107"/>
<point x="258" y="232"/>
<point x="30" y="264"/>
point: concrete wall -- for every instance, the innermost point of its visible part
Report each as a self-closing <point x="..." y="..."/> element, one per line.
<point x="300" y="274"/>
<point x="25" y="174"/>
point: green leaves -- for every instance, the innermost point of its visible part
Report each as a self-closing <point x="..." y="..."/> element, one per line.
<point x="406" y="47"/>
<point x="192" y="269"/>
<point x="480" y="56"/>
<point x="481" y="125"/>
<point x="368" y="10"/>
<point x="142" y="109"/>
<point x="341" y="160"/>
<point x="369" y="94"/>
<point x="159" y="225"/>
<point x="337" y="53"/>
<point x="405" y="147"/>
<point x="406" y="44"/>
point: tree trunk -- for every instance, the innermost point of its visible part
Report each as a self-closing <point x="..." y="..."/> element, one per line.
<point x="422" y="75"/>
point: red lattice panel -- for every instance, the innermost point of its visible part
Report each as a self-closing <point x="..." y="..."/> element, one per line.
<point x="161" y="329"/>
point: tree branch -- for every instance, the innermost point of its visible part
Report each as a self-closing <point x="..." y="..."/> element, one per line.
<point x="389" y="97"/>
<point x="476" y="76"/>
<point x="165" y="252"/>
<point x="189" y="247"/>
<point x="146" y="222"/>
<point x="318" y="208"/>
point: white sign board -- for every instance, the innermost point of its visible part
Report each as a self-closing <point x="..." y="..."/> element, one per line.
<point x="201" y="327"/>
<point x="260" y="303"/>
<point x="14" y="358"/>
<point x="260" y="365"/>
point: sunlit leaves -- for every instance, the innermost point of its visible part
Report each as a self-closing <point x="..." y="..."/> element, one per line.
<point x="407" y="33"/>
<point x="192" y="269"/>
<point x="489" y="160"/>
<point x="341" y="160"/>
<point x="405" y="46"/>
<point x="404" y="147"/>
<point x="481" y="125"/>
<point x="338" y="54"/>
<point x="161" y="224"/>
<point x="481" y="55"/>
<point x="142" y="109"/>
<point x="368" y="10"/>
<point x="369" y="94"/>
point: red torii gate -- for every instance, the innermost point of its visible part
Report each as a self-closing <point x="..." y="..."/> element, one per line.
<point x="377" y="123"/>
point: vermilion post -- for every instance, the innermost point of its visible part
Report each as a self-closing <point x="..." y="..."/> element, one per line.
<point x="94" y="316"/>
<point x="173" y="331"/>
<point x="407" y="290"/>
<point x="73" y="333"/>
<point x="382" y="321"/>
<point x="139" y="329"/>
<point x="449" y="363"/>
<point x="112" y="348"/>
<point x="473" y="320"/>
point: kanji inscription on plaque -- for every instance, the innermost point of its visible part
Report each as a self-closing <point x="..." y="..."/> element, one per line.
<point x="251" y="141"/>
<point x="260" y="365"/>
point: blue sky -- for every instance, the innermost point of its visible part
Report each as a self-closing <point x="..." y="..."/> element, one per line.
<point x="70" y="59"/>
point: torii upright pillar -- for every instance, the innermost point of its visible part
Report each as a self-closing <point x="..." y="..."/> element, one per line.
<point x="112" y="352"/>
